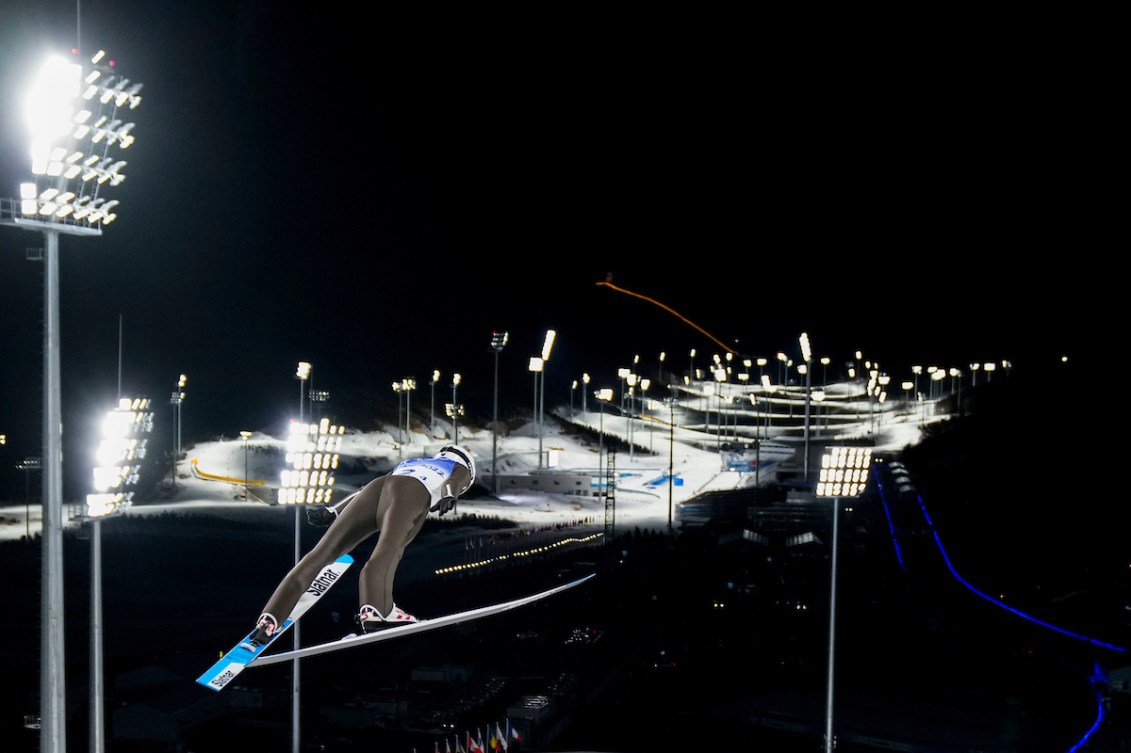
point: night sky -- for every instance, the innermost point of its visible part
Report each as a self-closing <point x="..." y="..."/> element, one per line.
<point x="377" y="196"/>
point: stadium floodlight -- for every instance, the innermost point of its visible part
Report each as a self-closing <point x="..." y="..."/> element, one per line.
<point x="117" y="458"/>
<point x="64" y="98"/>
<point x="398" y="387"/>
<point x="312" y="458"/>
<point x="456" y="410"/>
<point x="302" y="374"/>
<point x="117" y="467"/>
<point x="319" y="397"/>
<point x="175" y="399"/>
<point x="498" y="342"/>
<point x="547" y="346"/>
<point x="536" y="366"/>
<point x="432" y="407"/>
<point x="73" y="116"/>
<point x="844" y="473"/>
<point x="408" y="384"/>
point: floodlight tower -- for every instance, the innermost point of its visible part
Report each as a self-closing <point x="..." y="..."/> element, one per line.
<point x="547" y="346"/>
<point x="302" y="373"/>
<point x="807" y="357"/>
<point x="844" y="473"/>
<point x="535" y="366"/>
<point x="408" y="384"/>
<point x="432" y="407"/>
<point x="312" y="457"/>
<point x="75" y="112"/>
<point x="175" y="399"/>
<point x="398" y="387"/>
<point x="456" y="410"/>
<point x="498" y="342"/>
<point x="118" y="465"/>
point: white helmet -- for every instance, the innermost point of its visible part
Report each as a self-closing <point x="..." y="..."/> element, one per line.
<point x="461" y="455"/>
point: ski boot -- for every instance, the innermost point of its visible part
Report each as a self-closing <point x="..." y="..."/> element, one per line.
<point x="371" y="620"/>
<point x="264" y="629"/>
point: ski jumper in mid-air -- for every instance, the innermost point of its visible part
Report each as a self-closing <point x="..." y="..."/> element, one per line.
<point x="393" y="506"/>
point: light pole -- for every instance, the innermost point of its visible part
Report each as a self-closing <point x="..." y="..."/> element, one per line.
<point x="807" y="358"/>
<point x="498" y="342"/>
<point x="456" y="410"/>
<point x="408" y="384"/>
<point x="547" y="346"/>
<point x="312" y="459"/>
<point x="671" y="455"/>
<point x="584" y="393"/>
<point x="630" y="378"/>
<point x="535" y="367"/>
<point x="27" y="465"/>
<point x="320" y="397"/>
<point x="73" y="113"/>
<point x="302" y="374"/>
<point x="603" y="396"/>
<point x="181" y="389"/>
<point x="432" y="407"/>
<point x="246" y="435"/>
<point x="844" y="473"/>
<point x="824" y="422"/>
<point x="175" y="400"/>
<point x="720" y="377"/>
<point x="397" y="387"/>
<point x="644" y="385"/>
<point x="453" y="412"/>
<point x="117" y="467"/>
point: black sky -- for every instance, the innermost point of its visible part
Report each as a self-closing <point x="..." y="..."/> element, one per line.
<point x="376" y="195"/>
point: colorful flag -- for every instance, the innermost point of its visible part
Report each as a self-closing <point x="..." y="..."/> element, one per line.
<point x="459" y="748"/>
<point x="513" y="732"/>
<point x="472" y="745"/>
<point x="500" y="739"/>
<point x="447" y="747"/>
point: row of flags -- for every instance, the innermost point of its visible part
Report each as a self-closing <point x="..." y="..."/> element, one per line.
<point x="499" y="740"/>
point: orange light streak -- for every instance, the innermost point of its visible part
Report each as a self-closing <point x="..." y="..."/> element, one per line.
<point x="672" y="311"/>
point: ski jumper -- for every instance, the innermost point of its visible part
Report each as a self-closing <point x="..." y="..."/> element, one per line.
<point x="395" y="506"/>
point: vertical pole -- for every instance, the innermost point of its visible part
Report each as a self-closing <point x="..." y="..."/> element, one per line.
<point x="296" y="727"/>
<point x="808" y="393"/>
<point x="97" y="728"/>
<point x="671" y="456"/>
<point x="832" y="633"/>
<point x="53" y="697"/>
<point x="541" y="410"/>
<point x="495" y="431"/>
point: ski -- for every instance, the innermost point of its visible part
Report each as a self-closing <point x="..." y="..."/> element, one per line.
<point x="415" y="627"/>
<point x="244" y="653"/>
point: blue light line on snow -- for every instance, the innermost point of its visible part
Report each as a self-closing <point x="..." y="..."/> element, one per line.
<point x="998" y="602"/>
<point x="1097" y="677"/>
<point x="891" y="527"/>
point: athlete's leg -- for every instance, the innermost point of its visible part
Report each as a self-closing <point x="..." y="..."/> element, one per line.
<point x="352" y="526"/>
<point x="400" y="516"/>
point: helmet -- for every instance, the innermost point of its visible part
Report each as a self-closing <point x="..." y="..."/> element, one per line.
<point x="461" y="455"/>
